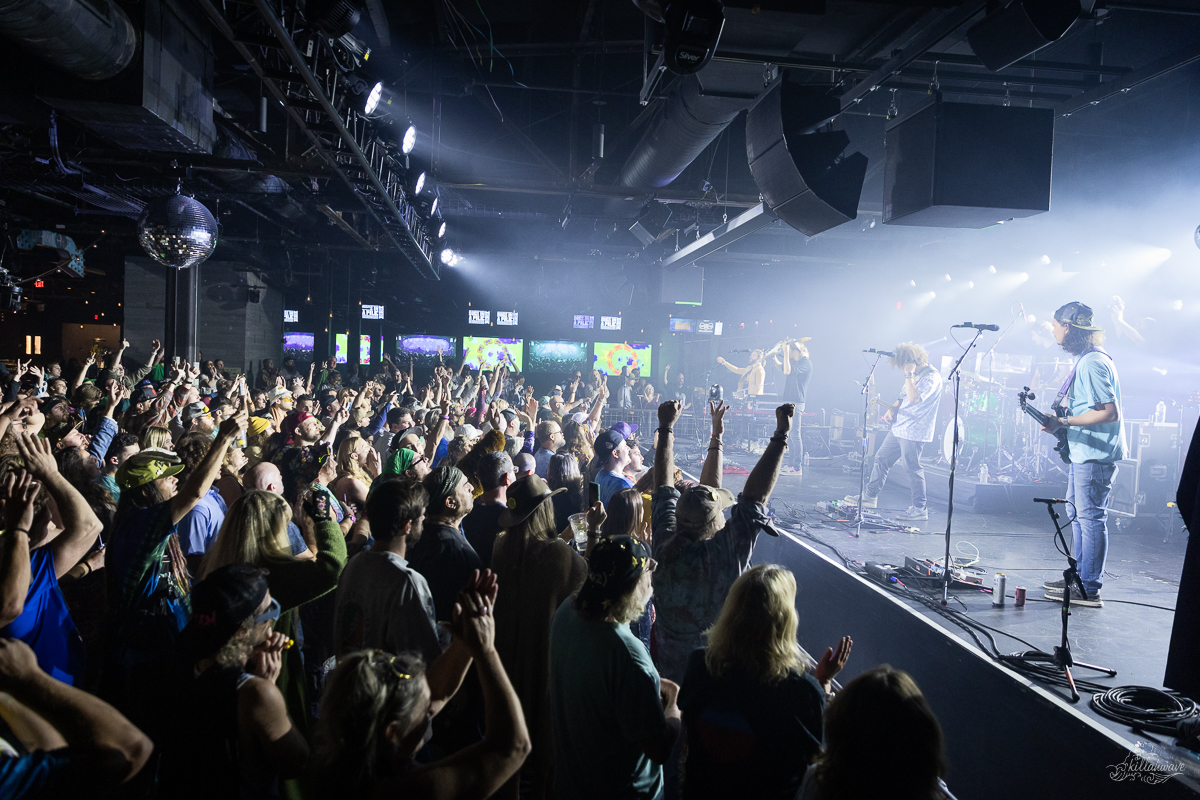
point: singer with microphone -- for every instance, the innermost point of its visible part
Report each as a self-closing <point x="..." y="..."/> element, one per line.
<point x="915" y="418"/>
<point x="1089" y="406"/>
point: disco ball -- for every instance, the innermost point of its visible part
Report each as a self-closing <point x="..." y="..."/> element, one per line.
<point x="177" y="231"/>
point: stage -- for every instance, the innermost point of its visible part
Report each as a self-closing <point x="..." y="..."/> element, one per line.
<point x="1004" y="732"/>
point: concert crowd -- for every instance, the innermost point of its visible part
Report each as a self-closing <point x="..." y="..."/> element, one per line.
<point x="306" y="583"/>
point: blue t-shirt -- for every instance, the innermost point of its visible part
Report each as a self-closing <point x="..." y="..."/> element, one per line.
<point x="296" y="539"/>
<point x="604" y="704"/>
<point x="53" y="773"/>
<point x="611" y="483"/>
<point x="45" y="624"/>
<point x="1095" y="383"/>
<point x="542" y="459"/>
<point x="199" y="528"/>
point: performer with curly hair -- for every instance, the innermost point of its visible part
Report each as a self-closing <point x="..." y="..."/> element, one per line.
<point x="915" y="418"/>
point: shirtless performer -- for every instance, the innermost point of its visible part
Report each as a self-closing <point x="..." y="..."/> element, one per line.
<point x="752" y="377"/>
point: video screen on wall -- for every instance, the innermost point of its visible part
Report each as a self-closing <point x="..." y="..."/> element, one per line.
<point x="423" y="349"/>
<point x="364" y="348"/>
<point x="488" y="352"/>
<point x="612" y="357"/>
<point x="341" y="347"/>
<point x="557" y="356"/>
<point x="298" y="346"/>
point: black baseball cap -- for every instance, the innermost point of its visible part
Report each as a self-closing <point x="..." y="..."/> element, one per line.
<point x="220" y="604"/>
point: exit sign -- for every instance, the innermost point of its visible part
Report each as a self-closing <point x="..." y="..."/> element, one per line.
<point x="39" y="284"/>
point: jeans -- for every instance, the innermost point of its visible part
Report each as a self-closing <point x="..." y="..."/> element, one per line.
<point x="1089" y="487"/>
<point x="795" y="441"/>
<point x="889" y="452"/>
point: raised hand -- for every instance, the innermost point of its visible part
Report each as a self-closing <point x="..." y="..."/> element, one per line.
<point x="717" y="410"/>
<point x="232" y="426"/>
<point x="832" y="662"/>
<point x="266" y="660"/>
<point x="124" y="343"/>
<point x="38" y="455"/>
<point x="155" y="346"/>
<point x="596" y="516"/>
<point x="16" y="503"/>
<point x="474" y="624"/>
<point x="668" y="413"/>
<point x="38" y="373"/>
<point x="783" y="416"/>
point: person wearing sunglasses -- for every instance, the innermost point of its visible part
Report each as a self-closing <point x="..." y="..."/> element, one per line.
<point x="226" y="731"/>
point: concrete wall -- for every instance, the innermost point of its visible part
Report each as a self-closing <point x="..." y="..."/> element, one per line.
<point x="230" y="326"/>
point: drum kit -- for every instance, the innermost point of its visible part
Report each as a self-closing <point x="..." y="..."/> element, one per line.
<point x="992" y="428"/>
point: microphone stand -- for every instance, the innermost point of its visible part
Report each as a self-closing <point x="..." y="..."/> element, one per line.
<point x="955" y="371"/>
<point x="990" y="355"/>
<point x="862" y="469"/>
<point x="1061" y="658"/>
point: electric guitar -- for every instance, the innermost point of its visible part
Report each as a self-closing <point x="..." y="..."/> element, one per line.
<point x="1062" y="448"/>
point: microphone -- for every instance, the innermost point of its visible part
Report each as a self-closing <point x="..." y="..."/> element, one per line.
<point x="1022" y="310"/>
<point x="1050" y="501"/>
<point x="979" y="326"/>
<point x="880" y="352"/>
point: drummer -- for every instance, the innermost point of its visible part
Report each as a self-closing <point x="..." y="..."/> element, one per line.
<point x="915" y="418"/>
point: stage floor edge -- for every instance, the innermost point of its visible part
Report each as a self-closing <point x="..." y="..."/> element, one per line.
<point x="1003" y="732"/>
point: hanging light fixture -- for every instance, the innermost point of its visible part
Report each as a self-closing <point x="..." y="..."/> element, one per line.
<point x="178" y="231"/>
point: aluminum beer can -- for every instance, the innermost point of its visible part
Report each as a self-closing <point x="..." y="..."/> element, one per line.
<point x="999" y="585"/>
<point x="1019" y="595"/>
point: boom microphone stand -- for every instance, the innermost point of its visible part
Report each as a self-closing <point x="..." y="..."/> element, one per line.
<point x="862" y="470"/>
<point x="1061" y="657"/>
<point x="955" y="371"/>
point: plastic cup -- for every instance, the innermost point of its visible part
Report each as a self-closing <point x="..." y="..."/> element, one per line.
<point x="579" y="528"/>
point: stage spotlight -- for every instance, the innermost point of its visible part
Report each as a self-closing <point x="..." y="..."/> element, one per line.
<point x="335" y="18"/>
<point x="1030" y="318"/>
<point x="933" y="295"/>
<point x="433" y="208"/>
<point x="1045" y="259"/>
<point x="409" y="141"/>
<point x="442" y="231"/>
<point x="447" y="256"/>
<point x="970" y="284"/>
<point x="1024" y="276"/>
<point x="992" y="269"/>
<point x="364" y="96"/>
<point x="912" y="283"/>
<point x="948" y="279"/>
<point x="1177" y="305"/>
<point x="420" y="184"/>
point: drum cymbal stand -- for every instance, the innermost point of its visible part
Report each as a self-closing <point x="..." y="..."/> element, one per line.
<point x="990" y="355"/>
<point x="956" y="373"/>
<point x="862" y="469"/>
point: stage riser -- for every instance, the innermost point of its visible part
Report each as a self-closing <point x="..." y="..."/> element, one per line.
<point x="991" y="496"/>
<point x="1003" y="737"/>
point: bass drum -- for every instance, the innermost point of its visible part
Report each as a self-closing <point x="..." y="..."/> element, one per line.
<point x="970" y="440"/>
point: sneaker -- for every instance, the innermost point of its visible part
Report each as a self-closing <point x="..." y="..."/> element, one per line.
<point x="787" y="469"/>
<point x="868" y="502"/>
<point x="1056" y="586"/>
<point x="1093" y="600"/>
<point x="913" y="513"/>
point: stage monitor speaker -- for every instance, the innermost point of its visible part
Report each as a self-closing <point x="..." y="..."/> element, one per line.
<point x="684" y="285"/>
<point x="801" y="173"/>
<point x="1019" y="29"/>
<point x="965" y="165"/>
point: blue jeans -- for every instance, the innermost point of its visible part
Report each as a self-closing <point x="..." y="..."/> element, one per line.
<point x="1089" y="487"/>
<point x="888" y="453"/>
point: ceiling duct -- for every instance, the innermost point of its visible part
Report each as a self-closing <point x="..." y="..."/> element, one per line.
<point x="701" y="106"/>
<point x="802" y="173"/>
<point x="93" y="40"/>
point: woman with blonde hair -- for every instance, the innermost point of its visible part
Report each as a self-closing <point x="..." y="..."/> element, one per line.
<point x="255" y="533"/>
<point x="357" y="467"/>
<point x="563" y="473"/>
<point x="862" y="758"/>
<point x="577" y="441"/>
<point x="157" y="436"/>
<point x="751" y="711"/>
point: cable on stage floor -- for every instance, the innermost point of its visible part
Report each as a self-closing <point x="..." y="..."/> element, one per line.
<point x="1144" y="707"/>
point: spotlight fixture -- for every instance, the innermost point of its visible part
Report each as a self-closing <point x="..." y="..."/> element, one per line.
<point x="364" y="96"/>
<point x="335" y="18"/>
<point x="442" y="231"/>
<point x="450" y="258"/>
<point x="409" y="141"/>
<point x="433" y="208"/>
<point x="420" y="184"/>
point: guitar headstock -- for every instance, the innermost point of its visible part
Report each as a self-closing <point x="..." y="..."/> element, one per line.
<point x="1023" y="397"/>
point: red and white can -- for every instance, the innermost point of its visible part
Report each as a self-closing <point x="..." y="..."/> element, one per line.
<point x="1019" y="595"/>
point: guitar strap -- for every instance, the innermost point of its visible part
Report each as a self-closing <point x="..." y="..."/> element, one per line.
<point x="1066" y="387"/>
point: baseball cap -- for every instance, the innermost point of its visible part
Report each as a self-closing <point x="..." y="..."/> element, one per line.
<point x="625" y="429"/>
<point x="700" y="506"/>
<point x="60" y="430"/>
<point x="191" y="411"/>
<point x="468" y="430"/>
<point x="278" y="393"/>
<point x="1078" y="315"/>
<point x="220" y="604"/>
<point x="142" y="392"/>
<point x="146" y="466"/>
<point x="51" y="403"/>
<point x="608" y="441"/>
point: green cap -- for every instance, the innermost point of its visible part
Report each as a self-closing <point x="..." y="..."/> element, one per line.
<point x="148" y="465"/>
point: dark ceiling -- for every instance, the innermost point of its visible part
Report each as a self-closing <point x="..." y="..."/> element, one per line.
<point x="507" y="97"/>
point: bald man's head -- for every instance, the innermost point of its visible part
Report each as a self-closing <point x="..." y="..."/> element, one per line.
<point x="265" y="477"/>
<point x="524" y="464"/>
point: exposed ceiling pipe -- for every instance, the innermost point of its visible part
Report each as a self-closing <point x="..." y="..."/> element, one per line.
<point x="693" y="116"/>
<point x="93" y="41"/>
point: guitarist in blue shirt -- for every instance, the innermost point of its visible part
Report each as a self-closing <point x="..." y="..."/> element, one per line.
<point x="1090" y="403"/>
